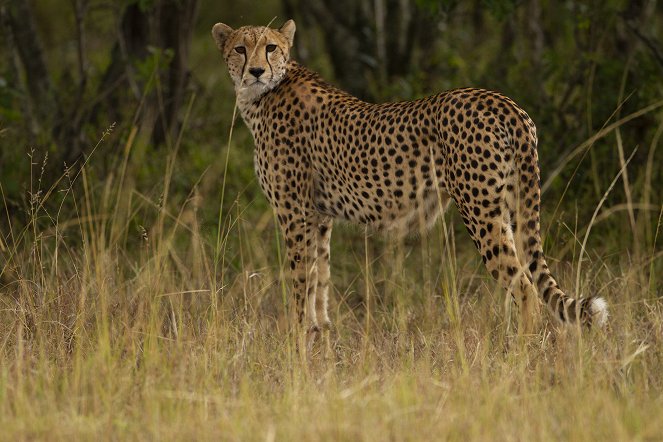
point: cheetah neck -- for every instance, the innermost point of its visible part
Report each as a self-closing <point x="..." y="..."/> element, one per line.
<point x="246" y="97"/>
<point x="297" y="81"/>
<point x="250" y="101"/>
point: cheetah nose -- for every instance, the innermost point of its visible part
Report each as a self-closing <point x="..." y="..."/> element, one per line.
<point x="256" y="72"/>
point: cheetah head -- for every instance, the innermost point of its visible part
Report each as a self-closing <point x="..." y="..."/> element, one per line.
<point x="257" y="56"/>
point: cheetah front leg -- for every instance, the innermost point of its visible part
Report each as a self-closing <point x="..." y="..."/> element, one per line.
<point x="300" y="233"/>
<point x="322" y="293"/>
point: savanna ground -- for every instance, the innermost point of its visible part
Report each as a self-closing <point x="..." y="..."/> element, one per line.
<point x="143" y="296"/>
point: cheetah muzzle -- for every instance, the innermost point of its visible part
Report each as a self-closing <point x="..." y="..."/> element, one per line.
<point x="322" y="154"/>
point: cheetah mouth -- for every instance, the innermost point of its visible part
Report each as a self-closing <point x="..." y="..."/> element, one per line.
<point x="256" y="82"/>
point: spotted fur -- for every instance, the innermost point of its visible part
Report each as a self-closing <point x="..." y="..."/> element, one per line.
<point x="322" y="154"/>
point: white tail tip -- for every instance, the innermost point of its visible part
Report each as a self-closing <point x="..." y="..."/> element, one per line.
<point x="599" y="311"/>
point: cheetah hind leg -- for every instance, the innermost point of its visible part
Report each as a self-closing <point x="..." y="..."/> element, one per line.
<point x="300" y="234"/>
<point x="504" y="265"/>
<point x="493" y="236"/>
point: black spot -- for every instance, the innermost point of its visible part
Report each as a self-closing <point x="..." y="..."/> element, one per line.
<point x="532" y="266"/>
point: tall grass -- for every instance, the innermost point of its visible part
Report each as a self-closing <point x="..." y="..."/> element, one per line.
<point x="125" y="316"/>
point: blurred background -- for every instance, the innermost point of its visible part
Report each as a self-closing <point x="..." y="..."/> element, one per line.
<point x="144" y="77"/>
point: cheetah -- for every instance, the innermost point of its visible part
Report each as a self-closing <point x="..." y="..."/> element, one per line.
<point x="322" y="154"/>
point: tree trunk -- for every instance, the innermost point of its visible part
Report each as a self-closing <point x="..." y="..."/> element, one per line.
<point x="369" y="42"/>
<point x="168" y="26"/>
<point x="18" y="16"/>
<point x="176" y="20"/>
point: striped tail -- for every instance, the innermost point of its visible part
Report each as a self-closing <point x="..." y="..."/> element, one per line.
<point x="590" y="311"/>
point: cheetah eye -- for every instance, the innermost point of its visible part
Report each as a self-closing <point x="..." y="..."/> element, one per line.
<point x="240" y="50"/>
<point x="271" y="48"/>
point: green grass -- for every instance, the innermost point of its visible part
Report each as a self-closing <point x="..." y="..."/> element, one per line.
<point x="127" y="316"/>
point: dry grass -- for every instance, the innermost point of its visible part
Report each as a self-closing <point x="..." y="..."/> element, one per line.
<point x="176" y="330"/>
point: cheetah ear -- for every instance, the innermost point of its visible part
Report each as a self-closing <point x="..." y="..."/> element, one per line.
<point x="288" y="30"/>
<point x="220" y="32"/>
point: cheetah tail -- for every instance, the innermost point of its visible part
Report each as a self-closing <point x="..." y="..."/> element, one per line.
<point x="590" y="311"/>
